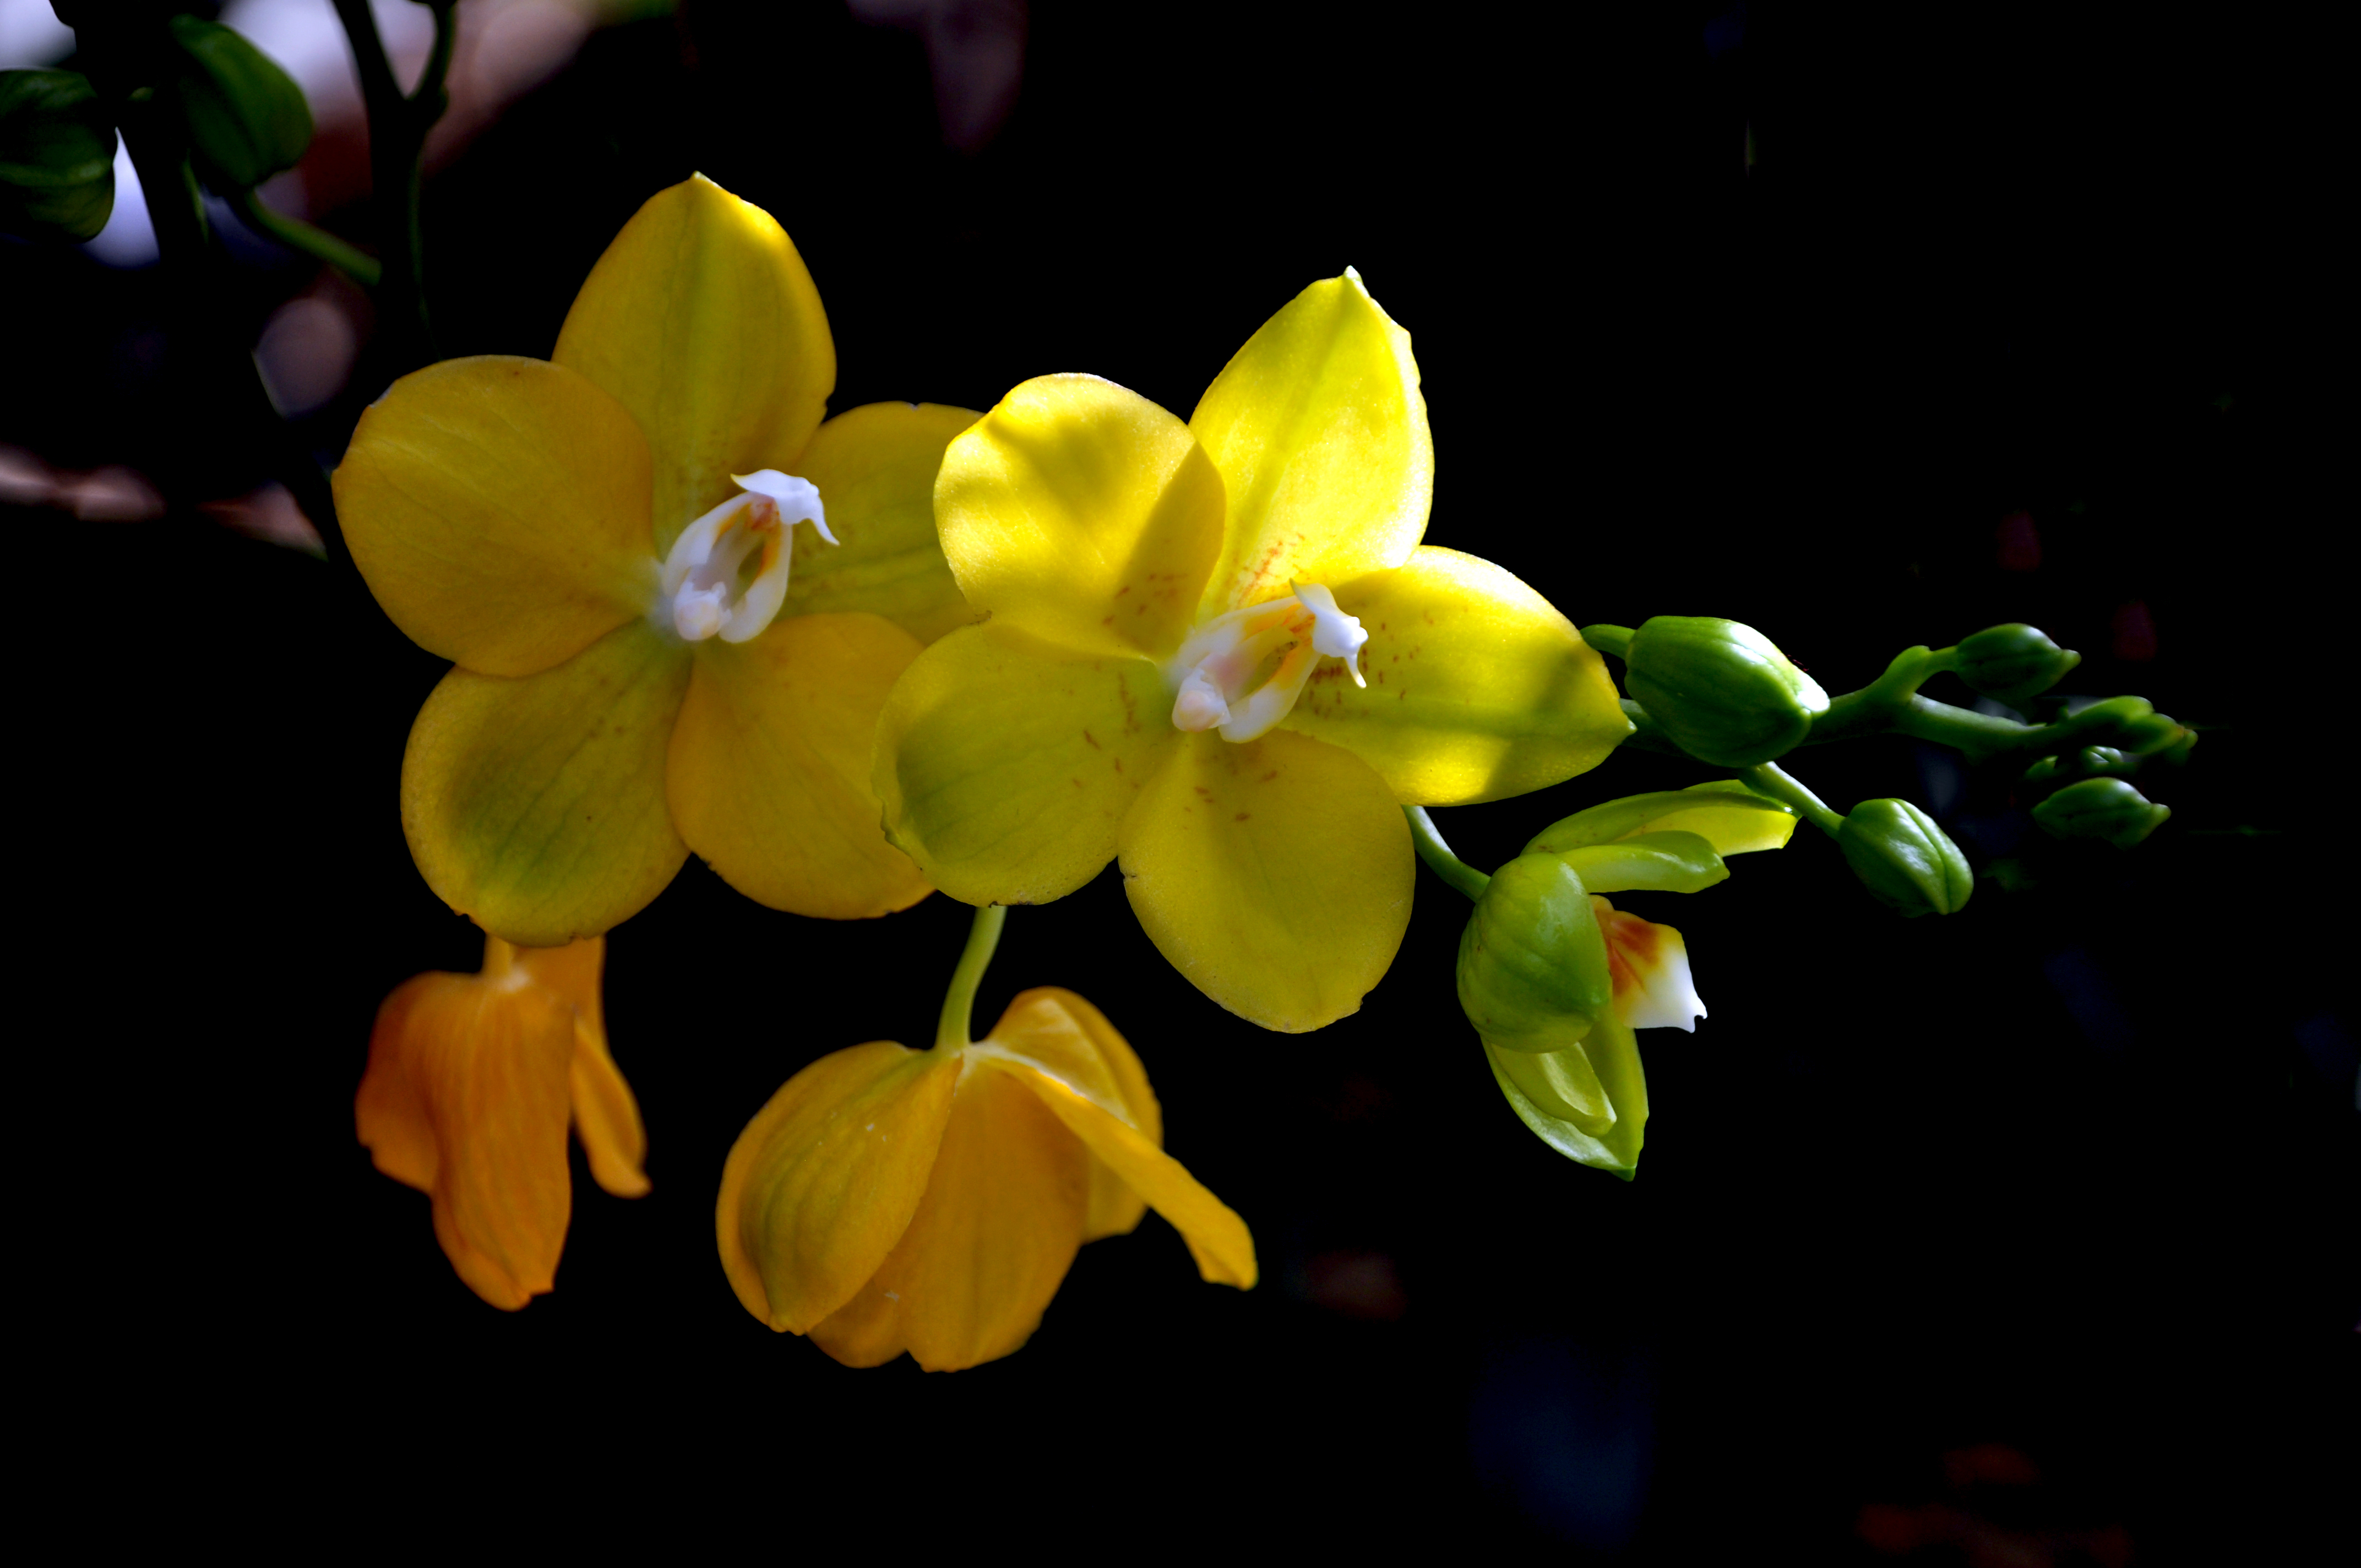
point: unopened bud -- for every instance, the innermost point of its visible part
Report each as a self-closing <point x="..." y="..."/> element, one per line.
<point x="1906" y="862"/>
<point x="1720" y="690"/>
<point x="2106" y="810"/>
<point x="2013" y="663"/>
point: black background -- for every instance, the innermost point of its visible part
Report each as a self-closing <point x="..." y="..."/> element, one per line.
<point x="2071" y="1171"/>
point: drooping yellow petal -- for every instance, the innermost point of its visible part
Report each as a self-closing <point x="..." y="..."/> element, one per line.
<point x="475" y="1070"/>
<point x="537" y="806"/>
<point x="1064" y="1034"/>
<point x="1612" y="1053"/>
<point x="994" y="1237"/>
<point x="1478" y="689"/>
<point x="499" y="509"/>
<point x="769" y="773"/>
<point x="1319" y="431"/>
<point x="606" y="1114"/>
<point x="1217" y="1238"/>
<point x="702" y="321"/>
<point x="1729" y="816"/>
<point x="875" y="468"/>
<point x="823" y="1182"/>
<point x="1007" y="766"/>
<point x="1083" y="513"/>
<point x="1275" y="875"/>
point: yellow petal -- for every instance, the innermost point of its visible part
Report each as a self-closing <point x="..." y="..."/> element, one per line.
<point x="1275" y="875"/>
<point x="537" y="806"/>
<point x="1083" y="513"/>
<point x="823" y="1182"/>
<point x="1006" y="765"/>
<point x="1067" y="1036"/>
<point x="1725" y="814"/>
<point x="702" y="321"/>
<point x="1478" y="689"/>
<point x="486" y="1065"/>
<point x="875" y="468"/>
<point x="498" y="509"/>
<point x="1319" y="432"/>
<point x="991" y="1242"/>
<point x="606" y="1115"/>
<point x="1613" y="1053"/>
<point x="769" y="776"/>
<point x="1217" y="1238"/>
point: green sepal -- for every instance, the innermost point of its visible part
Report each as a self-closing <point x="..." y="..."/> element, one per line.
<point x="245" y="118"/>
<point x="1610" y="1054"/>
<point x="1532" y="969"/>
<point x="1907" y="863"/>
<point x="1648" y="862"/>
<point x="1720" y="690"/>
<point x="2013" y="663"/>
<point x="2106" y="810"/>
<point x="1722" y="822"/>
<point x="56" y="155"/>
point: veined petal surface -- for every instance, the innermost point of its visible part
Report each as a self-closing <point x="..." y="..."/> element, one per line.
<point x="875" y="468"/>
<point x="701" y="320"/>
<point x="992" y="1238"/>
<point x="1275" y="874"/>
<point x="1478" y="689"/>
<point x="822" y="1183"/>
<point x="1319" y="431"/>
<point x="1006" y="765"/>
<point x="768" y="770"/>
<point x="1083" y="513"/>
<point x="537" y="806"/>
<point x="1065" y="1035"/>
<point x="499" y="509"/>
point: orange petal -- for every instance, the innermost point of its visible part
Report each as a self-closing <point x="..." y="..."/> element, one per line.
<point x="1001" y="1221"/>
<point x="389" y="1112"/>
<point x="1073" y="1040"/>
<point x="823" y="1182"/>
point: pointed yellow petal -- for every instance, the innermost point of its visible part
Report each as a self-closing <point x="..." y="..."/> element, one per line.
<point x="1005" y="766"/>
<point x="537" y="806"/>
<point x="989" y="1246"/>
<point x="1478" y="689"/>
<point x="1275" y="875"/>
<point x="1725" y="814"/>
<point x="1083" y="513"/>
<point x="769" y="772"/>
<point x="1063" y="1034"/>
<point x="702" y="321"/>
<point x="389" y="1112"/>
<point x="875" y="468"/>
<point x="1217" y="1238"/>
<point x="606" y="1115"/>
<point x="1612" y="1052"/>
<point x="1319" y="432"/>
<point x="824" y="1179"/>
<point x="498" y="509"/>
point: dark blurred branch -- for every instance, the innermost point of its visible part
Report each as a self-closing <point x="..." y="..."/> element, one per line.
<point x="397" y="127"/>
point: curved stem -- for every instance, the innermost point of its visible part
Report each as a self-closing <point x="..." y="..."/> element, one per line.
<point x="959" y="1003"/>
<point x="1775" y="782"/>
<point x="306" y="240"/>
<point x="398" y="128"/>
<point x="1438" y="856"/>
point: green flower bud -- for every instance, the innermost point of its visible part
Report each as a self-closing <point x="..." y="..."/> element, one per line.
<point x="245" y="118"/>
<point x="1533" y="964"/>
<point x="2106" y="809"/>
<point x="56" y="155"/>
<point x="2013" y="663"/>
<point x="1906" y="862"/>
<point x="1720" y="690"/>
<point x="2090" y="762"/>
<point x="2129" y="724"/>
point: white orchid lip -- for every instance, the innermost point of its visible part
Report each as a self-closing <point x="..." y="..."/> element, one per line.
<point x="705" y="591"/>
<point x="1215" y="677"/>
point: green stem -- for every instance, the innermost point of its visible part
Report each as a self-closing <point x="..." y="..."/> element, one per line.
<point x="959" y="1003"/>
<point x="306" y="240"/>
<point x="398" y="128"/>
<point x="1438" y="856"/>
<point x="1771" y="780"/>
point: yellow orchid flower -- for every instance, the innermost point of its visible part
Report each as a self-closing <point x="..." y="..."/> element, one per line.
<point x="1219" y="650"/>
<point x="471" y="1082"/>
<point x="653" y="654"/>
<point x="890" y="1199"/>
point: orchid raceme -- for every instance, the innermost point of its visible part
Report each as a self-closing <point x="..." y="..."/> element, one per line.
<point x="674" y="596"/>
<point x="1555" y="979"/>
<point x="1218" y="650"/>
<point x="890" y="1199"/>
<point x="472" y="1080"/>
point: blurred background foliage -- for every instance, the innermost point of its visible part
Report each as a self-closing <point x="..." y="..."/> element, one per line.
<point x="2023" y="1236"/>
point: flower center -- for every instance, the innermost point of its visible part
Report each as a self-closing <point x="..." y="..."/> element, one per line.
<point x="727" y="574"/>
<point x="1242" y="671"/>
